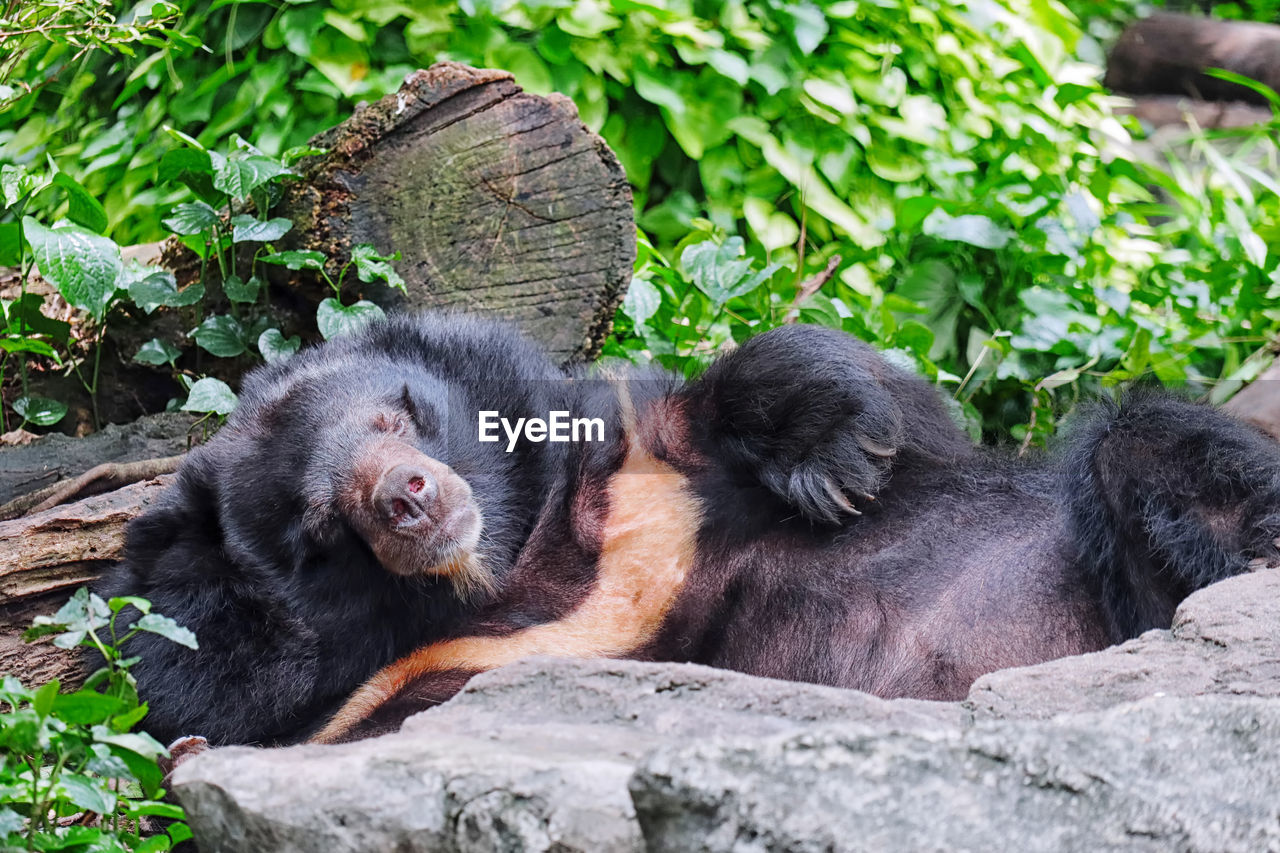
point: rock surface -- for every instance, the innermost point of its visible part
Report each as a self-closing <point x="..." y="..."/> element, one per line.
<point x="1225" y="639"/>
<point x="1161" y="774"/>
<point x="535" y="756"/>
<point x="564" y="755"/>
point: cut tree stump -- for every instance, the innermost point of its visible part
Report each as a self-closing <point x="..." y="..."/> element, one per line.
<point x="1167" y="54"/>
<point x="44" y="557"/>
<point x="499" y="202"/>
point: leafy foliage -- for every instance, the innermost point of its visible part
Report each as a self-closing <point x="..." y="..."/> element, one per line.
<point x="74" y="775"/>
<point x="88" y="271"/>
<point x="997" y="225"/>
<point x="45" y="36"/>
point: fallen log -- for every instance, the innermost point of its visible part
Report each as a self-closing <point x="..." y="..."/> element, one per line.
<point x="44" y="557"/>
<point x="498" y="201"/>
<point x="52" y="460"/>
<point x="1167" y="54"/>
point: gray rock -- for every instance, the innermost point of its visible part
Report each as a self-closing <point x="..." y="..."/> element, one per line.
<point x="1225" y="639"/>
<point x="1164" y="774"/>
<point x="532" y="757"/>
<point x="571" y="755"/>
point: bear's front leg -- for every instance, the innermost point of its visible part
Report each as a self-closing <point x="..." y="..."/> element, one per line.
<point x="808" y="412"/>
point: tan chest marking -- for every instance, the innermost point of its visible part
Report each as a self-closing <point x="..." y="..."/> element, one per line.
<point x="647" y="551"/>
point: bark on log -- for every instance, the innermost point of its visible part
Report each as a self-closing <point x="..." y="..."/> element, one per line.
<point x="499" y="202"/>
<point x="44" y="557"/>
<point x="1166" y="54"/>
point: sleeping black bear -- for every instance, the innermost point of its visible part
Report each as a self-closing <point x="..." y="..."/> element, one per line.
<point x="804" y="510"/>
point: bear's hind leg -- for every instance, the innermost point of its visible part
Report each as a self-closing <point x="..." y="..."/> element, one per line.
<point x="1167" y="497"/>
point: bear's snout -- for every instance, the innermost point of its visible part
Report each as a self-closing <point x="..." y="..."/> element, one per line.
<point x="405" y="493"/>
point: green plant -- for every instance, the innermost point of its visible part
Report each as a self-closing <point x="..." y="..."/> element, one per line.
<point x="87" y="269"/>
<point x="83" y="264"/>
<point x="334" y="318"/>
<point x="74" y="775"/>
<point x="993" y="218"/>
<point x="43" y="37"/>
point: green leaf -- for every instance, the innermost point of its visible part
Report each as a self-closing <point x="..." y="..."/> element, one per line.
<point x="154" y="623"/>
<point x="371" y="266"/>
<point x="194" y="217"/>
<point x="970" y="228"/>
<point x="184" y="138"/>
<point x="126" y="721"/>
<point x="274" y="346"/>
<point x="31" y="345"/>
<point x="70" y="639"/>
<point x="172" y="811"/>
<point x="10" y="821"/>
<point x="1249" y="83"/>
<point x="191" y="167"/>
<point x="86" y="707"/>
<point x="15" y="183"/>
<point x="82" y="207"/>
<point x="239" y="290"/>
<point x="89" y="794"/>
<point x="41" y="411"/>
<point x="248" y="229"/>
<point x="159" y="288"/>
<point x="120" y="602"/>
<point x="296" y="153"/>
<point x="157" y="352"/>
<point x="221" y="335"/>
<point x="82" y="265"/>
<point x="893" y="165"/>
<point x="11" y="244"/>
<point x="718" y="272"/>
<point x="42" y="702"/>
<point x="237" y="175"/>
<point x="834" y="94"/>
<point x="26" y="317"/>
<point x="104" y="764"/>
<point x="141" y="767"/>
<point x="140" y="743"/>
<point x="334" y="319"/>
<point x="774" y="230"/>
<point x="180" y="162"/>
<point x="642" y="300"/>
<point x="295" y="260"/>
<point x="809" y="25"/>
<point x="210" y="395"/>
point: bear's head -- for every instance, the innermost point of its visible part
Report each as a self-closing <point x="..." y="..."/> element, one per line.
<point x="361" y="456"/>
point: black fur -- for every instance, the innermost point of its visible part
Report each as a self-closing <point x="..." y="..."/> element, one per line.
<point x="851" y="532"/>
<point x="289" y="606"/>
